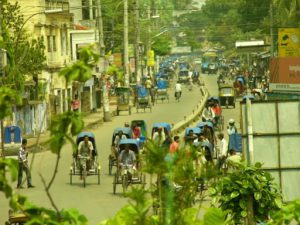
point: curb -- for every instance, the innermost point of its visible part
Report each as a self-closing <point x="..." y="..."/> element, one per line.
<point x="192" y="118"/>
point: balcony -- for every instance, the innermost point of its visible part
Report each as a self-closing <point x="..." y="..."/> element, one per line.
<point x="56" y="6"/>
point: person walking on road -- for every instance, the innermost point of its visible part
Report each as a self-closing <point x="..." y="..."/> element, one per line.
<point x="23" y="165"/>
<point x="231" y="128"/>
<point x="223" y="150"/>
<point x="75" y="104"/>
<point x="178" y="90"/>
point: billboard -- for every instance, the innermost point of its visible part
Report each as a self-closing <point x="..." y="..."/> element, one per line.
<point x="288" y="42"/>
<point x="285" y="74"/>
<point x="150" y="58"/>
<point x="273" y="138"/>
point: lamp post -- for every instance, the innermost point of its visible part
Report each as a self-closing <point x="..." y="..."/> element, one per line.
<point x="126" y="57"/>
<point x="3" y="63"/>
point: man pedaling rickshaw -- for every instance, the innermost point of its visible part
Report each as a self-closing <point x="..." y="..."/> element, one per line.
<point x="86" y="149"/>
<point x="127" y="158"/>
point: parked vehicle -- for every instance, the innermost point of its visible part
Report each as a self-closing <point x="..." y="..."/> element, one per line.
<point x="123" y="101"/>
<point x="183" y="76"/>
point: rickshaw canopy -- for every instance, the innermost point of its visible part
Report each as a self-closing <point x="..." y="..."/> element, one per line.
<point x="166" y="126"/>
<point x="196" y="130"/>
<point x="142" y="92"/>
<point x="134" y="145"/>
<point x="202" y="124"/>
<point x="161" y="84"/>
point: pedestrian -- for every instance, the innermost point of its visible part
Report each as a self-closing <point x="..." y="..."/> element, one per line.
<point x="23" y="165"/>
<point x="223" y="150"/>
<point x="75" y="104"/>
<point x="175" y="144"/>
<point x="231" y="128"/>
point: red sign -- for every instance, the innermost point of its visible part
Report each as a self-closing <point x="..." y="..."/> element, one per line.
<point x="285" y="73"/>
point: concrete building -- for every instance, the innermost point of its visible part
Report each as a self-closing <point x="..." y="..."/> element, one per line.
<point x="52" y="20"/>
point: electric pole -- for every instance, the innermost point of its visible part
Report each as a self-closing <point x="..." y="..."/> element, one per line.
<point x="137" y="42"/>
<point x="126" y="60"/>
<point x="271" y="28"/>
<point x="105" y="98"/>
<point x="1" y="68"/>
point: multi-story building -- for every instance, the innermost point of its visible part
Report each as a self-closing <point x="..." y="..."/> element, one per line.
<point x="52" y="20"/>
<point x="66" y="26"/>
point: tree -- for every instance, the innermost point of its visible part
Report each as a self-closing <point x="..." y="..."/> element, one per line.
<point x="26" y="56"/>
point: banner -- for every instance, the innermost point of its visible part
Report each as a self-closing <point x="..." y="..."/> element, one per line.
<point x="285" y="74"/>
<point x="150" y="58"/>
<point x="288" y="42"/>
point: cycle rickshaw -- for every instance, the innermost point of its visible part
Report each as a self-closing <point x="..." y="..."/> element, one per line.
<point x="123" y="99"/>
<point x="126" y="174"/>
<point x="161" y="90"/>
<point x="143" y="99"/>
<point x="83" y="166"/>
<point x="127" y="132"/>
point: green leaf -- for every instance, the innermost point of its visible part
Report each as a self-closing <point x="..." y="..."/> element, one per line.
<point x="257" y="195"/>
<point x="244" y="213"/>
<point x="234" y="194"/>
<point x="278" y="202"/>
<point x="214" y="216"/>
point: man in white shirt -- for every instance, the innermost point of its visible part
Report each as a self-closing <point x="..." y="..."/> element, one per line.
<point x="178" y="89"/>
<point x="223" y="150"/>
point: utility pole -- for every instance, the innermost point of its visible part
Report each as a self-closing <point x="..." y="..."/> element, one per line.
<point x="105" y="98"/>
<point x="149" y="36"/>
<point x="271" y="28"/>
<point x="137" y="42"/>
<point x="1" y="122"/>
<point x="126" y="60"/>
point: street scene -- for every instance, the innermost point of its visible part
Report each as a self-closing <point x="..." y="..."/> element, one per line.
<point x="149" y="112"/>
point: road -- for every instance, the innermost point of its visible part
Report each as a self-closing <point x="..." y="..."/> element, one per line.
<point x="96" y="201"/>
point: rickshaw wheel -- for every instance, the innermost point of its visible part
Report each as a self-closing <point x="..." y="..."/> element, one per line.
<point x="84" y="175"/>
<point x="124" y="183"/>
<point x="98" y="173"/>
<point x="110" y="164"/>
<point x="115" y="183"/>
<point x="71" y="174"/>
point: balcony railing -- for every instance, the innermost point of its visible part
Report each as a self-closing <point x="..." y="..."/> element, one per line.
<point x="54" y="6"/>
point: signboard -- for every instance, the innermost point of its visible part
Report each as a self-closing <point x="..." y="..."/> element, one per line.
<point x="273" y="138"/>
<point x="288" y="42"/>
<point x="285" y="74"/>
<point x="150" y="58"/>
<point x="118" y="59"/>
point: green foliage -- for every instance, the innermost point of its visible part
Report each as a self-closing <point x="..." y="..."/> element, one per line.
<point x="25" y="54"/>
<point x="233" y="191"/>
<point x="162" y="45"/>
<point x="8" y="98"/>
<point x="12" y="166"/>
<point x="82" y="69"/>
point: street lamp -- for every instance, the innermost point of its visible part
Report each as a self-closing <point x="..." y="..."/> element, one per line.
<point x="3" y="63"/>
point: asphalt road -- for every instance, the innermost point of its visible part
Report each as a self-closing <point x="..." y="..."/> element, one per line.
<point x="97" y="202"/>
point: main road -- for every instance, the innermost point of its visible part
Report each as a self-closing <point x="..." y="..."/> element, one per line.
<point x="95" y="201"/>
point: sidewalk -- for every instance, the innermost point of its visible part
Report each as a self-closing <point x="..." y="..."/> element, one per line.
<point x="91" y="120"/>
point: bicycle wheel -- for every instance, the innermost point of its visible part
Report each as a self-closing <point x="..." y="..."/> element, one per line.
<point x="124" y="183"/>
<point x="84" y="175"/>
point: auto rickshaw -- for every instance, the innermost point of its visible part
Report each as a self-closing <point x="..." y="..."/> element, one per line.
<point x="123" y="102"/>
<point x="227" y="95"/>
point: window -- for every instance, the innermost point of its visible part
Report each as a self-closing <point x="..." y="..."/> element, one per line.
<point x="49" y="43"/>
<point x="85" y="10"/>
<point x="54" y="43"/>
<point x="62" y="43"/>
